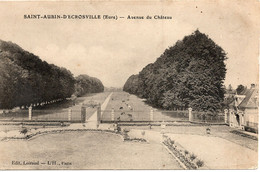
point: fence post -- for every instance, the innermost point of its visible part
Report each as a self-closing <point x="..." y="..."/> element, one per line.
<point x="190" y="114"/>
<point x="151" y="114"/>
<point x="226" y="114"/>
<point x="30" y="112"/>
<point x="69" y="114"/>
<point x="112" y="114"/>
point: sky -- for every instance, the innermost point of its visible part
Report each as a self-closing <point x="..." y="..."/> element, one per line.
<point x="112" y="50"/>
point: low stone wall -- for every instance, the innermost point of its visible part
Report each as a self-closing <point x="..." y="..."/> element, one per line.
<point x="30" y="135"/>
<point x="26" y="134"/>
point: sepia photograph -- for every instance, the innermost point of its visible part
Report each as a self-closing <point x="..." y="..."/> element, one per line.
<point x="129" y="85"/>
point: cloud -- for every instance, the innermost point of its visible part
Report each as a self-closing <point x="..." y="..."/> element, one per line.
<point x="113" y="50"/>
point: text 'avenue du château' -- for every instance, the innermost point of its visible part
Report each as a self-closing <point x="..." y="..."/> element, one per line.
<point x="96" y="17"/>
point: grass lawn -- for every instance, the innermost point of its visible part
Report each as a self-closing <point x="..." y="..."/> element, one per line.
<point x="129" y="107"/>
<point x="85" y="150"/>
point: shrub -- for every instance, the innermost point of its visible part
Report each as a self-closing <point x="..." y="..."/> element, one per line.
<point x="208" y="130"/>
<point x="186" y="152"/>
<point x="199" y="163"/>
<point x="164" y="136"/>
<point x="126" y="136"/>
<point x="126" y="130"/>
<point x="118" y="129"/>
<point x="192" y="157"/>
<point x="24" y="131"/>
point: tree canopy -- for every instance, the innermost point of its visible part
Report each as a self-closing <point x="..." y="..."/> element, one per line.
<point x="25" y="79"/>
<point x="240" y="89"/>
<point x="189" y="74"/>
<point x="86" y="84"/>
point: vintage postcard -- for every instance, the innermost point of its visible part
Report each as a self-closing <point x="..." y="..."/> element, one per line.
<point x="150" y="84"/>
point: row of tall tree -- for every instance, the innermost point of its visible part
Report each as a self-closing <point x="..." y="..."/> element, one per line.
<point x="25" y="79"/>
<point x="189" y="74"/>
<point x="86" y="84"/>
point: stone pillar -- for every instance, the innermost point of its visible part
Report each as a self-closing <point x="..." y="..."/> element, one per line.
<point x="231" y="118"/>
<point x="30" y="112"/>
<point x="226" y="115"/>
<point x="69" y="114"/>
<point x="83" y="114"/>
<point x="86" y="113"/>
<point x="190" y="114"/>
<point x="151" y="114"/>
<point x="243" y="119"/>
<point x="163" y="126"/>
<point x="98" y="115"/>
<point x="112" y="114"/>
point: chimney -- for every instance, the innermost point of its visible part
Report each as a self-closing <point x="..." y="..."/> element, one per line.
<point x="252" y="85"/>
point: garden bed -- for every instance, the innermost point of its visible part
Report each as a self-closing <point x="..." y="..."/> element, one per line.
<point x="128" y="138"/>
<point x="244" y="134"/>
<point x="189" y="160"/>
<point x="27" y="135"/>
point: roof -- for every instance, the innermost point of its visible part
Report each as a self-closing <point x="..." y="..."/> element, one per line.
<point x="230" y="92"/>
<point x="250" y="100"/>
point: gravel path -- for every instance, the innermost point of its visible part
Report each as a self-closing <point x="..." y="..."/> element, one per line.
<point x="218" y="153"/>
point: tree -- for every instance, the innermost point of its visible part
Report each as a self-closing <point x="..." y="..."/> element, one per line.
<point x="240" y="89"/>
<point x="25" y="79"/>
<point x="86" y="84"/>
<point x="188" y="74"/>
<point x="9" y="82"/>
<point x="230" y="88"/>
<point x="131" y="84"/>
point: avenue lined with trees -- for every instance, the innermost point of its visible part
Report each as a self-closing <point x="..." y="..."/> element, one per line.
<point x="189" y="74"/>
<point x="25" y="79"/>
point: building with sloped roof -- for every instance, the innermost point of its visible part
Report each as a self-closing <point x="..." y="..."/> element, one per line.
<point x="243" y="112"/>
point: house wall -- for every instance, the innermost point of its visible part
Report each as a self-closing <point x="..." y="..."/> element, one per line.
<point x="251" y="118"/>
<point x="232" y="119"/>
